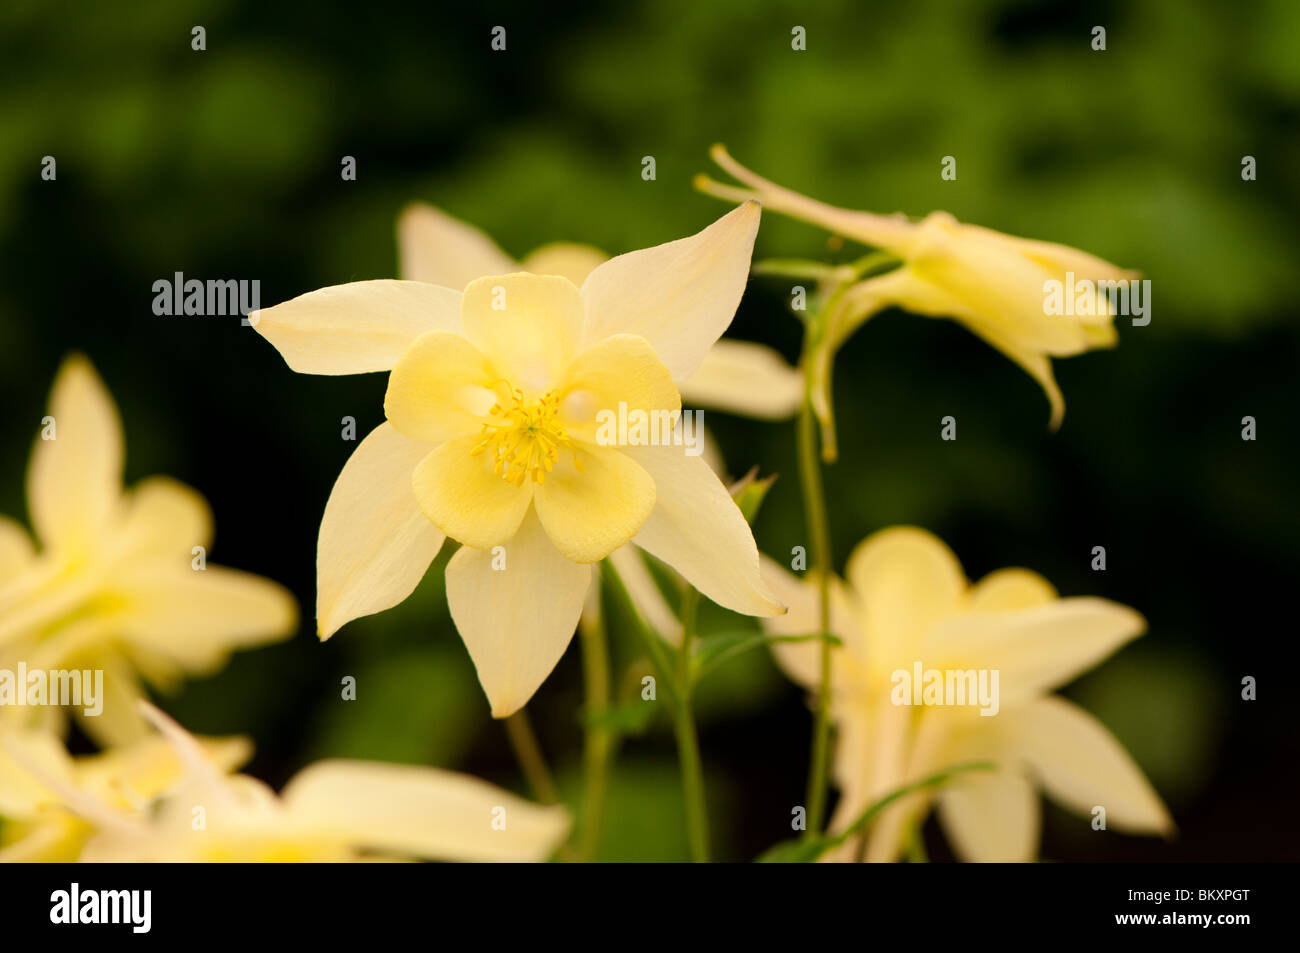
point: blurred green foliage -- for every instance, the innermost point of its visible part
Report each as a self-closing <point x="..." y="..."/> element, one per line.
<point x="225" y="163"/>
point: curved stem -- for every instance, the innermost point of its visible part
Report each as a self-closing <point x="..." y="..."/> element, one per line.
<point x="529" y="755"/>
<point x="814" y="496"/>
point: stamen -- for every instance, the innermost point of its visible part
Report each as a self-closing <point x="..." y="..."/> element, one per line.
<point x="524" y="436"/>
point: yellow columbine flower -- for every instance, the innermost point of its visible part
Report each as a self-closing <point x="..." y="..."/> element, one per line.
<point x="116" y="585"/>
<point x="993" y="283"/>
<point x="330" y="811"/>
<point x="906" y="606"/>
<point x="493" y="439"/>
<point x="51" y="803"/>
<point x="737" y="376"/>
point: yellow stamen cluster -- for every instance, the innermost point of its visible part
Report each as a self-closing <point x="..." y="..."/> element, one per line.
<point x="525" y="436"/>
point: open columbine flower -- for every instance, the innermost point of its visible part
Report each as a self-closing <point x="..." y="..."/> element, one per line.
<point x="738" y="376"/>
<point x="497" y="436"/>
<point x="121" y="583"/>
<point x="994" y="284"/>
<point x="329" y="811"/>
<point x="907" y="608"/>
<point x="52" y="803"/>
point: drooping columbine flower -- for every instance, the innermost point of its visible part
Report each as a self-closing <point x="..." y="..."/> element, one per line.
<point x="992" y="283"/>
<point x="118" y="584"/>
<point x="493" y="439"/>
<point x="907" y="606"/>
<point x="737" y="376"/>
<point x="329" y="811"/>
<point x="52" y="803"/>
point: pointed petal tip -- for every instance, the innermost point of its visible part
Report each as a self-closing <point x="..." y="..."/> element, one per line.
<point x="504" y="709"/>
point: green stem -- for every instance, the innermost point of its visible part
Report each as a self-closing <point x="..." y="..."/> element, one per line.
<point x="688" y="745"/>
<point x="676" y="682"/>
<point x="814" y="497"/>
<point x="531" y="761"/>
<point x="599" y="740"/>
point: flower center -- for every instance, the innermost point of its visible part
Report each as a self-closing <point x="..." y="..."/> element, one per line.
<point x="525" y="437"/>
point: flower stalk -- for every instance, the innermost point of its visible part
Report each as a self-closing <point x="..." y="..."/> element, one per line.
<point x="599" y="741"/>
<point x="676" y="681"/>
<point x="519" y="729"/>
<point x="814" y="498"/>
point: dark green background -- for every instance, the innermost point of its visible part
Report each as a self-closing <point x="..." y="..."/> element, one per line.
<point x="225" y="164"/>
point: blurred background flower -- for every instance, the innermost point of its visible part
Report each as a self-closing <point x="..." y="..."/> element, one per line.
<point x="226" y="164"/>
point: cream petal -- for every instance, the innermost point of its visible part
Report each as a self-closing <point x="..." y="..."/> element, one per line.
<point x="196" y="618"/>
<point x="588" y="513"/>
<point x="697" y="529"/>
<point x="679" y="296"/>
<point x="991" y="817"/>
<point x="518" y="620"/>
<point x="645" y="594"/>
<point x="903" y="749"/>
<point x="569" y="259"/>
<point x="905" y="580"/>
<point x="712" y="454"/>
<point x="616" y="377"/>
<point x="526" y="325"/>
<point x="165" y="519"/>
<point x="999" y="292"/>
<point x="442" y="250"/>
<point x="40" y="595"/>
<point x="906" y="288"/>
<point x="410" y="811"/>
<point x="1036" y="649"/>
<point x="74" y="481"/>
<point x="440" y="388"/>
<point x="375" y="543"/>
<point x="119" y="724"/>
<point x="1011" y="589"/>
<point x="358" y="327"/>
<point x="1058" y="258"/>
<point x="802" y="660"/>
<point x="459" y="491"/>
<point x="151" y="767"/>
<point x="22" y="794"/>
<point x="1081" y="765"/>
<point x="745" y="378"/>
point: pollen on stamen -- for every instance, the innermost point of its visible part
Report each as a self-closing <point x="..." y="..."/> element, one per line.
<point x="525" y="436"/>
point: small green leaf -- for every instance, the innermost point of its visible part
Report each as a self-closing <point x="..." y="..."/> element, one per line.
<point x="622" y="718"/>
<point x="749" y="492"/>
<point x="808" y="850"/>
<point x="713" y="650"/>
